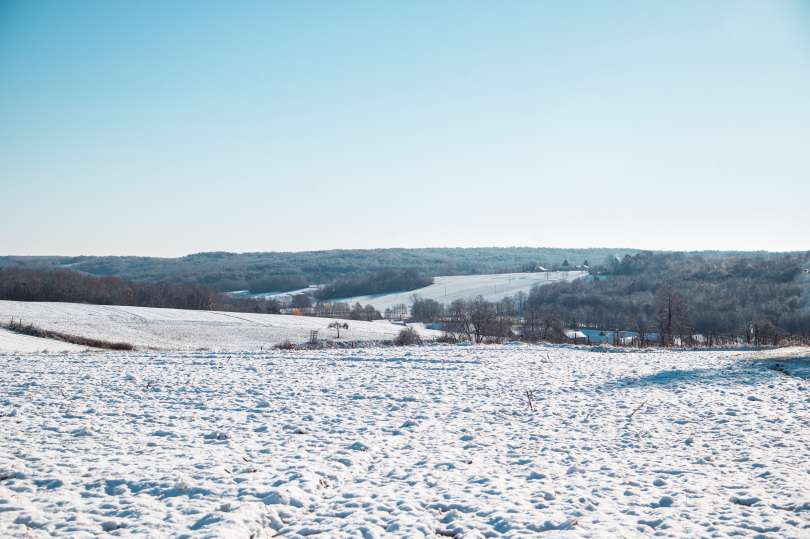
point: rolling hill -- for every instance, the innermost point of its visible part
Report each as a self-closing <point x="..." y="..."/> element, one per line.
<point x="175" y="329"/>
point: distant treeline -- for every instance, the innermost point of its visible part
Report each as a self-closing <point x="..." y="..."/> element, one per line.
<point x="19" y="284"/>
<point x="276" y="283"/>
<point x="680" y="298"/>
<point x="757" y="299"/>
<point x="378" y="282"/>
<point x="280" y="272"/>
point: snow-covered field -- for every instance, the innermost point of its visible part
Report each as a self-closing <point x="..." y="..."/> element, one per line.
<point x="175" y="329"/>
<point x="15" y="342"/>
<point x="272" y="295"/>
<point x="447" y="289"/>
<point x="415" y="442"/>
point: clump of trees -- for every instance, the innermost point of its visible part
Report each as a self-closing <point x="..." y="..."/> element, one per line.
<point x="367" y="313"/>
<point x="397" y="312"/>
<point x="479" y="320"/>
<point x="301" y="301"/>
<point x="276" y="283"/>
<point x="342" y="309"/>
<point x="426" y="310"/>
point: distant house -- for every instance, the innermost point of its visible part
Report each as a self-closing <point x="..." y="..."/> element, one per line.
<point x="574" y="268"/>
<point x="566" y="266"/>
<point x="577" y="336"/>
<point x="602" y="336"/>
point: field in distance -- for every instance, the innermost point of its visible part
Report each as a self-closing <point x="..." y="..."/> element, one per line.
<point x="448" y="288"/>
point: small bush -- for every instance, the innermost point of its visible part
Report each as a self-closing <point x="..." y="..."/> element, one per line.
<point x="408" y="337"/>
<point x="285" y="345"/>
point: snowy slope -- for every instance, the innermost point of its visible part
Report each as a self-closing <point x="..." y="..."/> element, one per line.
<point x="447" y="289"/>
<point x="272" y="295"/>
<point x="419" y="442"/>
<point x="178" y="329"/>
<point x="14" y="342"/>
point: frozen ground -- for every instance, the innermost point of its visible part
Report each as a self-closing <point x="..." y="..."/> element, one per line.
<point x="434" y="441"/>
<point x="447" y="289"/>
<point x="15" y="342"/>
<point x="176" y="329"/>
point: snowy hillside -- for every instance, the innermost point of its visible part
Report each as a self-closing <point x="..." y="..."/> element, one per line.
<point x="421" y="442"/>
<point x="15" y="342"/>
<point x="175" y="329"/>
<point x="447" y="289"/>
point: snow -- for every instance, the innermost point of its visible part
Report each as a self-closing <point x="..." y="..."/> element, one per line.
<point x="178" y="329"/>
<point x="273" y="295"/>
<point x="15" y="342"/>
<point x="405" y="442"/>
<point x="446" y="289"/>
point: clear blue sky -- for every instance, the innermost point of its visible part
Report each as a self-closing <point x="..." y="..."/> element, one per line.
<point x="165" y="128"/>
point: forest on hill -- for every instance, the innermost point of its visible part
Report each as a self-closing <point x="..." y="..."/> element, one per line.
<point x="677" y="297"/>
<point x="63" y="285"/>
<point x="280" y="272"/>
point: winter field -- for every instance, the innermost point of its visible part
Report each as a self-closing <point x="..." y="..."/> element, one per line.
<point x="405" y="442"/>
<point x="174" y="329"/>
<point x="446" y="289"/>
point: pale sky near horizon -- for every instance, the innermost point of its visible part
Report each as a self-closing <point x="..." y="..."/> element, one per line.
<point x="167" y="128"/>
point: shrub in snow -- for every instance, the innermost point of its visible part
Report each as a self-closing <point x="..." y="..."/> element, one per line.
<point x="408" y="337"/>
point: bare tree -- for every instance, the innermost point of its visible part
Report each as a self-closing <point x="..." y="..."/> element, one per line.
<point x="458" y="321"/>
<point x="337" y="326"/>
<point x="482" y="316"/>
<point x="672" y="314"/>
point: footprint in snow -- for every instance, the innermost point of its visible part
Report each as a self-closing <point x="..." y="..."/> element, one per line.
<point x="743" y="500"/>
<point x="664" y="501"/>
<point x="358" y="446"/>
